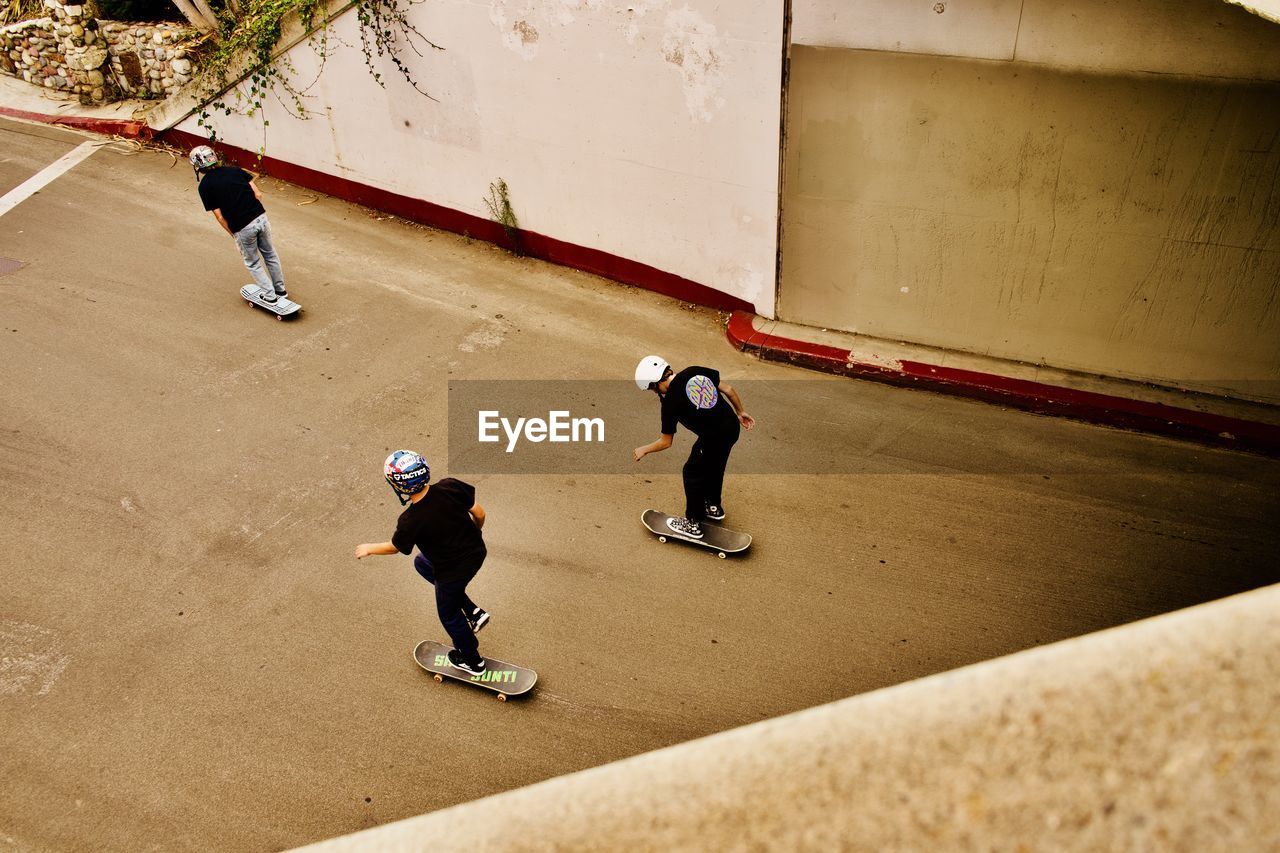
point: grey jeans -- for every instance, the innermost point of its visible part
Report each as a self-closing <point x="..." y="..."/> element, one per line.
<point x="254" y="241"/>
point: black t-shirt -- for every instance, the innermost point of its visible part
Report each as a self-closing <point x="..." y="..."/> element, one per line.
<point x="441" y="526"/>
<point x="226" y="188"/>
<point x="693" y="400"/>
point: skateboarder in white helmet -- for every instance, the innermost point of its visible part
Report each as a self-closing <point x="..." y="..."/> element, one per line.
<point x="701" y="402"/>
<point x="444" y="522"/>
<point x="230" y="194"/>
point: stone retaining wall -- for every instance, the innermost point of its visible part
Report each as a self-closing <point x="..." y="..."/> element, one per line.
<point x="98" y="61"/>
<point x="150" y="58"/>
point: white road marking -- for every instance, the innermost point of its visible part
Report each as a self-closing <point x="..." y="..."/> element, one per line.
<point x="45" y="176"/>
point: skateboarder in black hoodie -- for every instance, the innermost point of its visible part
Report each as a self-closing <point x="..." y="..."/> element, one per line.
<point x="443" y="521"/>
<point x="697" y="399"/>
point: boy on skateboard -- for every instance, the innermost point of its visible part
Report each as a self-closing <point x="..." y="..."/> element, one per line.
<point x="444" y="522"/>
<point x="230" y="194"/>
<point x="711" y="410"/>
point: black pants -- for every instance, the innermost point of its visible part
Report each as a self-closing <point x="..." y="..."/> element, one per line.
<point x="453" y="607"/>
<point x="704" y="475"/>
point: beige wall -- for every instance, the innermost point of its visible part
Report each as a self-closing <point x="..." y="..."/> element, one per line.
<point x="1069" y="208"/>
<point x="648" y="130"/>
<point x="1206" y="37"/>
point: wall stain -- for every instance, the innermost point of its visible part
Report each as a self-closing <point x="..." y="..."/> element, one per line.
<point x="689" y="43"/>
<point x="526" y="32"/>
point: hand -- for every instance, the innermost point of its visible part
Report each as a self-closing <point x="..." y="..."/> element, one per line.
<point x="363" y="551"/>
<point x="638" y="454"/>
<point x="746" y="420"/>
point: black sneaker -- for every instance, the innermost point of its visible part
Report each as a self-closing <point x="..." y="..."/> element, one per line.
<point x="685" y="527"/>
<point x="282" y="293"/>
<point x="267" y="296"/>
<point x="456" y="661"/>
<point x="477" y="620"/>
<point x="715" y="513"/>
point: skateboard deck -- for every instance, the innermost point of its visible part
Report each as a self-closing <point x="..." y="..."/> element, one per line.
<point x="282" y="307"/>
<point x="505" y="679"/>
<point x="722" y="540"/>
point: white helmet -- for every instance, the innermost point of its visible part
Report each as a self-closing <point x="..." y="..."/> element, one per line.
<point x="202" y="157"/>
<point x="651" y="369"/>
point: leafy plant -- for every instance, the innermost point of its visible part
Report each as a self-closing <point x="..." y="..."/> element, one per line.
<point x="255" y="30"/>
<point x="499" y="203"/>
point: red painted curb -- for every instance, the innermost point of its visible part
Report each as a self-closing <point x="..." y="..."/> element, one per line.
<point x="437" y="216"/>
<point x="108" y="126"/>
<point x="1022" y="394"/>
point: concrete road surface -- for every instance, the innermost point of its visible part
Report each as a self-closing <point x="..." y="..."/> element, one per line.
<point x="190" y="657"/>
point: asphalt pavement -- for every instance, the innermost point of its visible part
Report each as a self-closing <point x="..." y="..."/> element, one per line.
<point x="191" y="658"/>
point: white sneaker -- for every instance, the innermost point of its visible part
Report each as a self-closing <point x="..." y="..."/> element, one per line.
<point x="685" y="527"/>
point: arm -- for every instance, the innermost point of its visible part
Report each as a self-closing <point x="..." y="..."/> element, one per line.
<point x="369" y="549"/>
<point x="217" y="214"/>
<point x="253" y="186"/>
<point x="663" y="442"/>
<point x="734" y="400"/>
<point x="477" y="515"/>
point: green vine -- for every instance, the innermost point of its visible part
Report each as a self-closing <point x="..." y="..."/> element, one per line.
<point x="499" y="203"/>
<point x="255" y="31"/>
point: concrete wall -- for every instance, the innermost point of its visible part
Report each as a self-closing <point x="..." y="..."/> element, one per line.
<point x="1205" y="37"/>
<point x="647" y="130"/>
<point x="1091" y="184"/>
<point x="1159" y="735"/>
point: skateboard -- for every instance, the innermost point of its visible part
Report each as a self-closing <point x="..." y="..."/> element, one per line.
<point x="722" y="540"/>
<point x="282" y="307"/>
<point x="505" y="679"/>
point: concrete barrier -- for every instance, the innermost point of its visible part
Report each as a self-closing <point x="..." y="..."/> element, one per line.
<point x="1159" y="735"/>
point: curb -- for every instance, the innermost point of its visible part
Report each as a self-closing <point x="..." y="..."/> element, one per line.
<point x="109" y="126"/>
<point x="1024" y="394"/>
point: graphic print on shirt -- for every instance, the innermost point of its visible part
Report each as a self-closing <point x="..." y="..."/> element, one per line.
<point x="702" y="392"/>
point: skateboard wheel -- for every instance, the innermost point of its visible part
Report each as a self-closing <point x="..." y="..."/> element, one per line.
<point x="662" y="539"/>
<point x="439" y="679"/>
<point x="502" y="697"/>
<point x="280" y="317"/>
<point x="721" y="555"/>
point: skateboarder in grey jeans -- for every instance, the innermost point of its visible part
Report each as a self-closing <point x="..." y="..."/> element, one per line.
<point x="229" y="193"/>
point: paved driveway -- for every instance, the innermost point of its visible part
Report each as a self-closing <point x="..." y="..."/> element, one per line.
<point x="190" y="658"/>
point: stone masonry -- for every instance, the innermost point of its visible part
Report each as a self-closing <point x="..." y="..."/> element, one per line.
<point x="97" y="61"/>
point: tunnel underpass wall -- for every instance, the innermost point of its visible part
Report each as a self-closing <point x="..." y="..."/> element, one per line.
<point x="1042" y="194"/>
